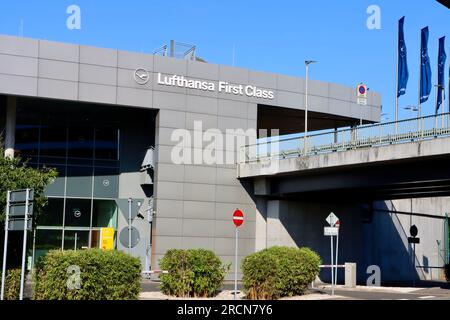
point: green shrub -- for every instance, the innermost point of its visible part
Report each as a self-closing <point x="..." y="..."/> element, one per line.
<point x="103" y="275"/>
<point x="12" y="284"/>
<point x="192" y="273"/>
<point x="279" y="272"/>
<point x="447" y="272"/>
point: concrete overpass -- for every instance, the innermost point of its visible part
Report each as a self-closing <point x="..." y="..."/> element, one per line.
<point x="379" y="179"/>
<point x="414" y="169"/>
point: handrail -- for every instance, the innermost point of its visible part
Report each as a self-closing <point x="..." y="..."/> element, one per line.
<point x="370" y="135"/>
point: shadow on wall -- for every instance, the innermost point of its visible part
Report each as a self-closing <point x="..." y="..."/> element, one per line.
<point x="378" y="240"/>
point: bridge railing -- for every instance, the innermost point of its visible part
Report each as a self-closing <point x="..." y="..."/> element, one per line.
<point x="373" y="135"/>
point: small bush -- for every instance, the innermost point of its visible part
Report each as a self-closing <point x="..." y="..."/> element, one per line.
<point x="447" y="272"/>
<point x="192" y="273"/>
<point x="90" y="274"/>
<point x="12" y="284"/>
<point x="279" y="272"/>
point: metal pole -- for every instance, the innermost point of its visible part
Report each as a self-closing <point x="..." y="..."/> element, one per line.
<point x="414" y="265"/>
<point x="361" y="116"/>
<point x="5" y="245"/>
<point x="24" y="249"/>
<point x="129" y="224"/>
<point x="34" y="250"/>
<point x="419" y="109"/>
<point x="306" y="109"/>
<point x="332" y="267"/>
<point x="236" y="263"/>
<point x="396" y="90"/>
<point x="307" y="63"/>
<point x="336" y="262"/>
<point x="75" y="245"/>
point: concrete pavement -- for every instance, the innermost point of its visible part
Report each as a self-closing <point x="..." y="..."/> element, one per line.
<point x="342" y="293"/>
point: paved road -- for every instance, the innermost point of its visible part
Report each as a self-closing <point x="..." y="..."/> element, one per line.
<point x="421" y="294"/>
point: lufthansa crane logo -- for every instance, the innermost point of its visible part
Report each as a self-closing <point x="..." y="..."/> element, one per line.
<point x="141" y="76"/>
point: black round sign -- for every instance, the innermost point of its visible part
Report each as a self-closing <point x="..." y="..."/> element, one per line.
<point x="413" y="231"/>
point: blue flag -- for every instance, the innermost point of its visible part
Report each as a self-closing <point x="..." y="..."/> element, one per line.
<point x="425" y="67"/>
<point x="441" y="70"/>
<point x="402" y="72"/>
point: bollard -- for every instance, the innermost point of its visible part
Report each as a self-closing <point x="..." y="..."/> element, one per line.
<point x="350" y="275"/>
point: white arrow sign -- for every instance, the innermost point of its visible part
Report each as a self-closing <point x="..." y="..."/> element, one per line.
<point x="332" y="219"/>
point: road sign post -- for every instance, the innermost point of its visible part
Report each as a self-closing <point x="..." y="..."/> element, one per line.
<point x="24" y="249"/>
<point x="332" y="267"/>
<point x="413" y="231"/>
<point x="333" y="231"/>
<point x="19" y="207"/>
<point x="5" y="245"/>
<point x="130" y="201"/>
<point x="238" y="220"/>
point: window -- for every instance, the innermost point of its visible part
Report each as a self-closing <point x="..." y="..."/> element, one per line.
<point x="81" y="145"/>
<point x="27" y="141"/>
<point x="106" y="144"/>
<point x="104" y="214"/>
<point x="78" y="213"/>
<point x="53" y="213"/>
<point x="53" y="141"/>
<point x="79" y="182"/>
<point x="47" y="240"/>
<point x="76" y="239"/>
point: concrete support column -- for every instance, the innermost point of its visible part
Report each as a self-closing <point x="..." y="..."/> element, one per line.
<point x="261" y="224"/>
<point x="277" y="217"/>
<point x="10" y="127"/>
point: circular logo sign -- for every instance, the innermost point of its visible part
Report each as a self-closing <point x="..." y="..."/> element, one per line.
<point x="238" y="218"/>
<point x="106" y="183"/>
<point x="141" y="76"/>
<point x="77" y="213"/>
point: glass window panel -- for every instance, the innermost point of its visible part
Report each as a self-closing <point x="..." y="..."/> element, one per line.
<point x="81" y="143"/>
<point x="47" y="240"/>
<point x="78" y="213"/>
<point x="106" y="183"/>
<point x="104" y="214"/>
<point x="56" y="189"/>
<point x="95" y="238"/>
<point x="53" y="141"/>
<point x="76" y="239"/>
<point x="53" y="213"/>
<point x="79" y="181"/>
<point x="27" y="141"/>
<point x="106" y="144"/>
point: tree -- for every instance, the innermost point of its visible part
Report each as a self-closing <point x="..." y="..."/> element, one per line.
<point x="15" y="174"/>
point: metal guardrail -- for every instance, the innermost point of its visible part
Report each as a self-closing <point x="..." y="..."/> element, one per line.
<point x="373" y="135"/>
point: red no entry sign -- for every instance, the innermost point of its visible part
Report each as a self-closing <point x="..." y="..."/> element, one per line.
<point x="238" y="218"/>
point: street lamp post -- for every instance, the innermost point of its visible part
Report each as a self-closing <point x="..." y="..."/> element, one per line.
<point x="307" y="63"/>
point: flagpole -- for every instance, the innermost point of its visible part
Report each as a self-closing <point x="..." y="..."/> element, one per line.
<point x="419" y="107"/>
<point x="396" y="89"/>
<point x="437" y="91"/>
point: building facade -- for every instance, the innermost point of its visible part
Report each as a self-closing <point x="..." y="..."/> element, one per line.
<point x="119" y="125"/>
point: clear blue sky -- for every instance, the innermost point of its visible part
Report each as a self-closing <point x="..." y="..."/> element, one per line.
<point x="273" y="36"/>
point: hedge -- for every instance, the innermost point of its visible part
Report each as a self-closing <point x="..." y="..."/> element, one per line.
<point x="192" y="273"/>
<point x="103" y="275"/>
<point x="279" y="272"/>
<point x="447" y="272"/>
<point x="12" y="284"/>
